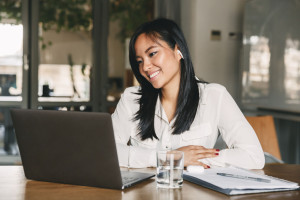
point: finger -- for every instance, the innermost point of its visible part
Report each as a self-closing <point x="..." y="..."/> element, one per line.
<point x="198" y="163"/>
<point x="198" y="154"/>
<point x="197" y="147"/>
<point x="205" y="155"/>
<point x="212" y="151"/>
<point x="210" y="155"/>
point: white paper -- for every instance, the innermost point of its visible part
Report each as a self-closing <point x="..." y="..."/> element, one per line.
<point x="195" y="169"/>
<point x="210" y="176"/>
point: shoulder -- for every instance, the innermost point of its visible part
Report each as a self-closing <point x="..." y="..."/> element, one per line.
<point x="129" y="101"/>
<point x="211" y="87"/>
<point x="131" y="92"/>
<point x="210" y="92"/>
<point x="130" y="97"/>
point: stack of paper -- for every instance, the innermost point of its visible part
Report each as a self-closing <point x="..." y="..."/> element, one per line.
<point x="232" y="181"/>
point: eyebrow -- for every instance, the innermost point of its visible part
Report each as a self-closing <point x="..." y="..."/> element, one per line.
<point x="151" y="47"/>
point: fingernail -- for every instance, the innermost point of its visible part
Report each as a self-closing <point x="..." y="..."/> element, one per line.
<point x="217" y="149"/>
<point x="217" y="154"/>
<point x="208" y="166"/>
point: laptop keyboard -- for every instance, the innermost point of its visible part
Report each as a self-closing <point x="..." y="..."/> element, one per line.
<point x="128" y="179"/>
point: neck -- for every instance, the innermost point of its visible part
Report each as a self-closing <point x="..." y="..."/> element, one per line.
<point x="169" y="99"/>
<point x="170" y="95"/>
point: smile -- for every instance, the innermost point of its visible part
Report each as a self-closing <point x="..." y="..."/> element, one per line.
<point x="154" y="74"/>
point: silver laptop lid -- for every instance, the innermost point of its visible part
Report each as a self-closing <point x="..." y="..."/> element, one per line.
<point x="68" y="147"/>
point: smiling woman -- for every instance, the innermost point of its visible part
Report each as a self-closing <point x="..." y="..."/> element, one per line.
<point x="173" y="109"/>
<point x="158" y="63"/>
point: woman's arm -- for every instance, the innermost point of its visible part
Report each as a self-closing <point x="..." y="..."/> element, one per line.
<point x="124" y="126"/>
<point x="193" y="155"/>
<point x="244" y="149"/>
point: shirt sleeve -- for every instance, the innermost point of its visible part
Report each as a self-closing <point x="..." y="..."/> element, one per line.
<point x="124" y="127"/>
<point x="244" y="149"/>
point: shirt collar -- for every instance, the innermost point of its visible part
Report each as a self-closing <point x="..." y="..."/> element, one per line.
<point x="158" y="107"/>
<point x="159" y="112"/>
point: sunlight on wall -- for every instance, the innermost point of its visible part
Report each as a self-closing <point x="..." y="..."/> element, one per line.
<point x="11" y="39"/>
<point x="11" y="49"/>
<point x="58" y="77"/>
<point x="259" y="63"/>
<point x="292" y="71"/>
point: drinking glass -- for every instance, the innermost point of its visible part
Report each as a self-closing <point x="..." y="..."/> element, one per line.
<point x="169" y="169"/>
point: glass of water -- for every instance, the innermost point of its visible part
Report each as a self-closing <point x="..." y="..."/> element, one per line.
<point x="169" y="169"/>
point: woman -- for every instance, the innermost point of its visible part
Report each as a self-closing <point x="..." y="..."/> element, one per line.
<point x="172" y="109"/>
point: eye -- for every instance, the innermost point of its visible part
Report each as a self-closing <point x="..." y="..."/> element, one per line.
<point x="152" y="54"/>
<point x="139" y="62"/>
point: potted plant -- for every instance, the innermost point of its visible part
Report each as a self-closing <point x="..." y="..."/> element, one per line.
<point x="130" y="14"/>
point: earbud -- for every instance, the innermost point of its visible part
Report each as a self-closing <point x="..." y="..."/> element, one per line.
<point x="179" y="52"/>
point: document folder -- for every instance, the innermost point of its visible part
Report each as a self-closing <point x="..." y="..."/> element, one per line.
<point x="252" y="183"/>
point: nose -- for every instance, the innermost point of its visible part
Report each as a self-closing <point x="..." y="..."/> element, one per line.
<point x="146" y="65"/>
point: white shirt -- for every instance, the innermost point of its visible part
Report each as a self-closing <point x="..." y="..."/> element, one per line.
<point x="217" y="112"/>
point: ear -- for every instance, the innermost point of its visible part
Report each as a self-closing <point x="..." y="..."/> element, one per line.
<point x="178" y="53"/>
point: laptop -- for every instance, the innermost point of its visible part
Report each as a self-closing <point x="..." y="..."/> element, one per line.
<point x="71" y="147"/>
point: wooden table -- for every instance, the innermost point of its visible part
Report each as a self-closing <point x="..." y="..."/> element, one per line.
<point x="13" y="185"/>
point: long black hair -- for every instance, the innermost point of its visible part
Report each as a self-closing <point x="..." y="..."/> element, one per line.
<point x="188" y="97"/>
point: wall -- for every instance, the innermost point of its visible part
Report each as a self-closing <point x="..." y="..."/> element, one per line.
<point x="116" y="52"/>
<point x="214" y="60"/>
<point x="271" y="58"/>
<point x="219" y="60"/>
<point x="79" y="44"/>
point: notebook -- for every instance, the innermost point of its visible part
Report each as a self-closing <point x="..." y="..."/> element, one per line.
<point x="233" y="181"/>
<point x="70" y="147"/>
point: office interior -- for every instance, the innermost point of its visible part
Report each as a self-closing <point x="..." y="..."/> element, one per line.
<point x="73" y="56"/>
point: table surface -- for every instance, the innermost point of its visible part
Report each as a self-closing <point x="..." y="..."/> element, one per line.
<point x="13" y="185"/>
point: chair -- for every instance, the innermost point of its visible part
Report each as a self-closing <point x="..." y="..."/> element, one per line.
<point x="264" y="128"/>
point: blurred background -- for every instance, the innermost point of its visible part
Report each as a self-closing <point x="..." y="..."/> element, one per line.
<point x="73" y="55"/>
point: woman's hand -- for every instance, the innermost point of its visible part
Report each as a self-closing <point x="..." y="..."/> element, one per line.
<point x="193" y="153"/>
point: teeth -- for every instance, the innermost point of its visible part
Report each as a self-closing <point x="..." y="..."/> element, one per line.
<point x="154" y="74"/>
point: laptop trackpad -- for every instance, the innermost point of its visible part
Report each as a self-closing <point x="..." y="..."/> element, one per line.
<point x="130" y="178"/>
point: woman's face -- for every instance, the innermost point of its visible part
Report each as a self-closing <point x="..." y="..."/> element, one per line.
<point x="158" y="63"/>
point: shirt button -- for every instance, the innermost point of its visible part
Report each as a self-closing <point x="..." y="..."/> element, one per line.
<point x="167" y="147"/>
